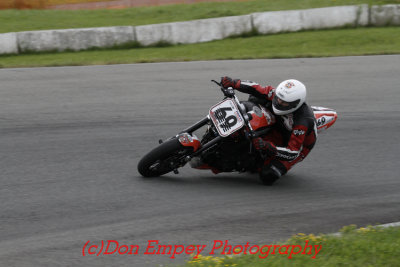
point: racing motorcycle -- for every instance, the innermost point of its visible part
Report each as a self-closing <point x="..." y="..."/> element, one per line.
<point x="226" y="145"/>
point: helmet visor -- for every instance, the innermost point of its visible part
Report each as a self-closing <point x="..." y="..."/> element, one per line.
<point x="279" y="104"/>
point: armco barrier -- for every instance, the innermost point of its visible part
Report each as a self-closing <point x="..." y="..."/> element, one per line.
<point x="200" y="30"/>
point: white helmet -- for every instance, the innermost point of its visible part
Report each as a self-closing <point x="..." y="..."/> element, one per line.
<point x="289" y="96"/>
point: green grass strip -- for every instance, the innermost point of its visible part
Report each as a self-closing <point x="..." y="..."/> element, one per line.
<point x="29" y="20"/>
<point x="362" y="247"/>
<point x="327" y="43"/>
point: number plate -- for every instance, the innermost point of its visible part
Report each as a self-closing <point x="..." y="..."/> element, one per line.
<point x="226" y="117"/>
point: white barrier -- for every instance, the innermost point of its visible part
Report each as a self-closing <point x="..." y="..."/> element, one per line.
<point x="200" y="30"/>
<point x="8" y="43"/>
<point x="74" y="39"/>
<point x="310" y="19"/>
<point x="385" y="15"/>
<point x="195" y="31"/>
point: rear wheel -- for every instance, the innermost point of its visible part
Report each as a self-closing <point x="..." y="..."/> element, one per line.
<point x="163" y="159"/>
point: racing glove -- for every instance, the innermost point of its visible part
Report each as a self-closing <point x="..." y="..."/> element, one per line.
<point x="265" y="146"/>
<point x="228" y="82"/>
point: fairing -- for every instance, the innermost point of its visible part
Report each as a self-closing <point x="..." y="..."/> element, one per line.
<point x="325" y="117"/>
<point x="189" y="141"/>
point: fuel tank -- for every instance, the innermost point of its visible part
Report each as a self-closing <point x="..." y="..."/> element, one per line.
<point x="260" y="116"/>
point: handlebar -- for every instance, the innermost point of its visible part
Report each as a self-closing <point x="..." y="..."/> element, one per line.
<point x="228" y="92"/>
<point x="214" y="81"/>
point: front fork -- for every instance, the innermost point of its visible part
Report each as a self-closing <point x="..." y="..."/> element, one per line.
<point x="192" y="128"/>
<point x="188" y="133"/>
<point x="196" y="126"/>
<point x="186" y="138"/>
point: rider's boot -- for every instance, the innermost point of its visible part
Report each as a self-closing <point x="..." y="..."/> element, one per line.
<point x="196" y="163"/>
<point x="269" y="174"/>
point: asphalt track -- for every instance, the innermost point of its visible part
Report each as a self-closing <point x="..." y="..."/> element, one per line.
<point x="71" y="138"/>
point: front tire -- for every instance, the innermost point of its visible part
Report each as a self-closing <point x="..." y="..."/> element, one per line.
<point x="162" y="159"/>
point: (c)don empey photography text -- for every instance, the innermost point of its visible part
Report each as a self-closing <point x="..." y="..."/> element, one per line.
<point x="220" y="247"/>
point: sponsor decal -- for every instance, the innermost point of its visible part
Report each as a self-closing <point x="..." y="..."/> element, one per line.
<point x="285" y="156"/>
<point x="270" y="93"/>
<point x="270" y="118"/>
<point x="191" y="141"/>
<point x="288" y="121"/>
<point x="289" y="85"/>
<point x="248" y="82"/>
<point x="185" y="139"/>
<point x="298" y="132"/>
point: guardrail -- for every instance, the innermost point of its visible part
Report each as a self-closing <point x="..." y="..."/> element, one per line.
<point x="197" y="31"/>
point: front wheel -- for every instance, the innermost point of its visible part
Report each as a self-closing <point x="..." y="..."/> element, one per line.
<point x="163" y="159"/>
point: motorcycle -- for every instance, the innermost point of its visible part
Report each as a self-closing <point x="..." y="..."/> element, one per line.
<point x="226" y="145"/>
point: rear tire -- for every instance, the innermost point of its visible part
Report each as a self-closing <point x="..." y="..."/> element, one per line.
<point x="162" y="155"/>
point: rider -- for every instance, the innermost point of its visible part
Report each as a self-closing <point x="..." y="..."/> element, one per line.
<point x="296" y="131"/>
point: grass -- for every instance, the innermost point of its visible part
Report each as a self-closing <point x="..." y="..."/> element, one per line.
<point x="356" y="247"/>
<point x="340" y="42"/>
<point x="28" y="20"/>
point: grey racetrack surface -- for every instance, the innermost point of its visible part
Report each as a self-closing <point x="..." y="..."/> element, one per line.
<point x="71" y="137"/>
